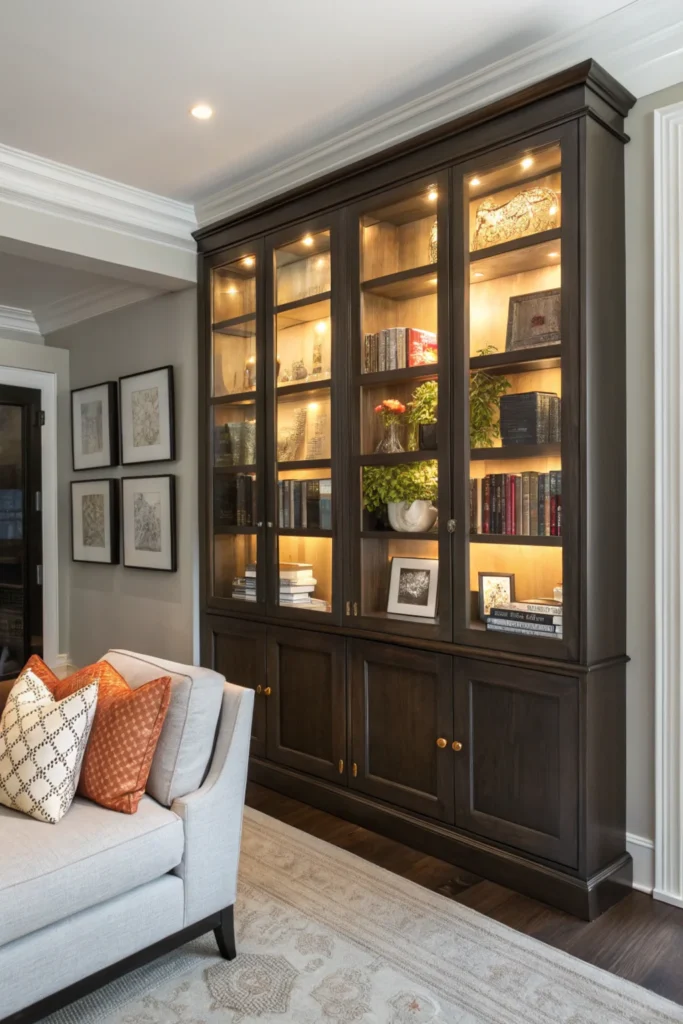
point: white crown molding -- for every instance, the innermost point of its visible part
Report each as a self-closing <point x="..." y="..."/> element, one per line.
<point x="640" y="44"/>
<point x="18" y="321"/>
<point x="46" y="186"/>
<point x="90" y="302"/>
<point x="668" y="277"/>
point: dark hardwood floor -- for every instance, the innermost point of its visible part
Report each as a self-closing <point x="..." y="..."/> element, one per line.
<point x="639" y="939"/>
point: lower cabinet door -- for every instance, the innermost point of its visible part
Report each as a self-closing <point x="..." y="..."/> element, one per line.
<point x="306" y="706"/>
<point x="402" y="727"/>
<point x="238" y="651"/>
<point x="516" y="777"/>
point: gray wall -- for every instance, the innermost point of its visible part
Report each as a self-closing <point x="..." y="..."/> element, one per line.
<point x="147" y="611"/>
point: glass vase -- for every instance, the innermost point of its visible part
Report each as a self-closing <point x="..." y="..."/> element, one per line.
<point x="391" y="442"/>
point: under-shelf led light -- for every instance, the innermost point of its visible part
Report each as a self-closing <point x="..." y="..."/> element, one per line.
<point x="307" y="239"/>
<point x="432" y="195"/>
<point x="202" y="111"/>
<point x="433" y="280"/>
<point x="232" y="290"/>
<point x="249" y="261"/>
<point x="313" y="406"/>
<point x="553" y="254"/>
<point x="527" y="162"/>
<point x="321" y="327"/>
<point x="478" y="273"/>
<point x="474" y="182"/>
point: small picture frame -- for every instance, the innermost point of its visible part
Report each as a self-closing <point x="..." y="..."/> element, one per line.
<point x="534" y="319"/>
<point x="495" y="589"/>
<point x="413" y="587"/>
<point x="149" y="522"/>
<point x="95" y="521"/>
<point x="147" y="416"/>
<point x="95" y="427"/>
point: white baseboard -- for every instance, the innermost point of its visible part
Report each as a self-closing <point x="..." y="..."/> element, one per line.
<point x="643" y="852"/>
<point x="62" y="666"/>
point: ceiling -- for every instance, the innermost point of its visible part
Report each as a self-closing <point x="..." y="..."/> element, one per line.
<point x="106" y="87"/>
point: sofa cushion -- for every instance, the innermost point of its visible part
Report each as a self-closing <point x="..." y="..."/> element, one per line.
<point x="48" y="872"/>
<point x="186" y="743"/>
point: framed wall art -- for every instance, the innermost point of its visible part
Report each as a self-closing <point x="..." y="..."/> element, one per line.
<point x="95" y="521"/>
<point x="149" y="523"/>
<point x="534" y="319"/>
<point x="147" y="416"/>
<point x="495" y="589"/>
<point x="413" y="586"/>
<point x="95" y="426"/>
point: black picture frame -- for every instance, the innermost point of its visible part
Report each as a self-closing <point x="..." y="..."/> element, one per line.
<point x="514" y="341"/>
<point x="510" y="576"/>
<point x="173" y="548"/>
<point x="112" y="487"/>
<point x="112" y="456"/>
<point x="170" y="423"/>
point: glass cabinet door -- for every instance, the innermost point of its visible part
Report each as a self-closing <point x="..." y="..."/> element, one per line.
<point x="516" y="337"/>
<point x="302" y="406"/>
<point x="399" y="578"/>
<point x="235" y="411"/>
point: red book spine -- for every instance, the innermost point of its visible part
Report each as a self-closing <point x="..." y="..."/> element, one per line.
<point x="486" y="505"/>
<point x="513" y="504"/>
<point x="508" y="503"/>
<point x="553" y="515"/>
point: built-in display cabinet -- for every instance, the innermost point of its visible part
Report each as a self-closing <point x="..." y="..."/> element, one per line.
<point x="412" y="455"/>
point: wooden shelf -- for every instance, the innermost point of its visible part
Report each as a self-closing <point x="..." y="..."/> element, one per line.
<point x="417" y="620"/>
<point x="246" y="468"/>
<point x="406" y="284"/>
<point x="310" y="300"/>
<point x="516" y="451"/>
<point x="396" y="458"/>
<point x="236" y="398"/>
<point x="520" y="360"/>
<point x="225" y="326"/>
<point x="424" y="372"/>
<point x="516" y="245"/>
<point x="305" y="531"/>
<point x="506" y="538"/>
<point x="304" y="386"/>
<point x="249" y="530"/>
<point x="304" y="464"/>
<point x="398" y="534"/>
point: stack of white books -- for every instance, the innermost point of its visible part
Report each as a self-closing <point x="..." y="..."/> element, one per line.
<point x="297" y="583"/>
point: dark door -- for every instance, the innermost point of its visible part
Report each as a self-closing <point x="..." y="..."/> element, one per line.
<point x="237" y="649"/>
<point x="517" y="773"/>
<point x="307" y="702"/>
<point x="402" y="727"/>
<point x="21" y="543"/>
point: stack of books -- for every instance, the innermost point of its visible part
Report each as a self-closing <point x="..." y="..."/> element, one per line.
<point x="234" y="500"/>
<point x="397" y="347"/>
<point x="297" y="584"/>
<point x="542" y="617"/>
<point x="530" y="418"/>
<point x="244" y="587"/>
<point x="304" y="504"/>
<point x="520" y="504"/>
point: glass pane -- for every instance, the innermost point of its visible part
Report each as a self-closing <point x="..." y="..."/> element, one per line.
<point x="400" y="416"/>
<point x="399" y="579"/>
<point x="515" y="397"/>
<point x="302" y="268"/>
<point x="304" y="344"/>
<point x="13" y="651"/>
<point x="234" y="500"/>
<point x="400" y="235"/>
<point x="234" y="434"/>
<point x="304" y="426"/>
<point x="305" y="580"/>
<point x="234" y="290"/>
<point x="234" y="327"/>
<point x="235" y="566"/>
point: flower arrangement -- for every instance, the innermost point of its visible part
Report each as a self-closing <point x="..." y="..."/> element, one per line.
<point x="391" y="411"/>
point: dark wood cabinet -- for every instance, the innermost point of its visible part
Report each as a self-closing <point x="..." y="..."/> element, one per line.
<point x="360" y="520"/>
<point x="517" y="772"/>
<point x="306" y="703"/>
<point x="401" y="727"/>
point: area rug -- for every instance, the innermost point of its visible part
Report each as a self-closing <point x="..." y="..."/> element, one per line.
<point x="327" y="938"/>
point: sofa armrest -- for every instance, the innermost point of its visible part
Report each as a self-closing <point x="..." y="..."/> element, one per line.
<point x="212" y="815"/>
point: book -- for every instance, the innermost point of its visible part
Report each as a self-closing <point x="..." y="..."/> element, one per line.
<point x="293" y="598"/>
<point x="422" y="347"/>
<point x="250" y="570"/>
<point x="512" y="615"/>
<point x="325" y="504"/>
<point x="525" y="629"/>
<point x="292" y="586"/>
<point x="533" y="504"/>
<point x="544" y="606"/>
<point x="294" y="570"/>
<point x="313" y="503"/>
<point x="526" y="418"/>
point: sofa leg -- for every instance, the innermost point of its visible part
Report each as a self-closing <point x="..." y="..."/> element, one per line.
<point x="225" y="934"/>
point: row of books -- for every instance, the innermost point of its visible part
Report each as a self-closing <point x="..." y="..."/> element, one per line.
<point x="305" y="504"/>
<point x="297" y="585"/>
<point x="397" y="347"/>
<point x="533" y="417"/>
<point x="234" y="500"/>
<point x="517" y="504"/>
<point x="527" y="618"/>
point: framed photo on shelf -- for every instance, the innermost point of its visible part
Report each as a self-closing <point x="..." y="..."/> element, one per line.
<point x="495" y="589"/>
<point x="147" y="416"/>
<point x="149" y="522"/>
<point x="534" y="319"/>
<point x="95" y="426"/>
<point x="413" y="586"/>
<point x="95" y="521"/>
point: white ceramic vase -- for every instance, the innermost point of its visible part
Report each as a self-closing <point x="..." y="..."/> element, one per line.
<point x="415" y="517"/>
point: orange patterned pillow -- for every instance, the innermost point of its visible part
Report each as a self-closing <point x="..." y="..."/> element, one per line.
<point x="124" y="735"/>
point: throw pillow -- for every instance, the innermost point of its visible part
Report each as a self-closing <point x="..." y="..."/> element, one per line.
<point x="124" y="735"/>
<point x="42" y="743"/>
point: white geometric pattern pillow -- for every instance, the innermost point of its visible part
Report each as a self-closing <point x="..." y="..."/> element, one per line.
<point x="42" y="743"/>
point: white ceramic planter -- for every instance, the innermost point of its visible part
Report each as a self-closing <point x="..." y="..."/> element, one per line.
<point x="417" y="517"/>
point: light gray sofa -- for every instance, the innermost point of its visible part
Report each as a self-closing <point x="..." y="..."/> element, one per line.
<point x="100" y="893"/>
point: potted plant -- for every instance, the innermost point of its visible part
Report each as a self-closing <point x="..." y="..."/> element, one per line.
<point x="391" y="412"/>
<point x="486" y="391"/>
<point x="422" y="414"/>
<point x="408" y="491"/>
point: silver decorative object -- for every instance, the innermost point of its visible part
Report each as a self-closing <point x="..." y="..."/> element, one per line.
<point x="317" y="438"/>
<point x="290" y="442"/>
<point x="434" y="243"/>
<point x="235" y="431"/>
<point x="249" y="442"/>
<point x="299" y="371"/>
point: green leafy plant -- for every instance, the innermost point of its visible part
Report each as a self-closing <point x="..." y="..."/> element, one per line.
<point x="412" y="481"/>
<point x="486" y="391"/>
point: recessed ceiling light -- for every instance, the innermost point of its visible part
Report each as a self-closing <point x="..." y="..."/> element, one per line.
<point x="474" y="182"/>
<point x="432" y="195"/>
<point x="527" y="162"/>
<point x="232" y="290"/>
<point x="249" y="261"/>
<point x="307" y="240"/>
<point x="321" y="327"/>
<point x="202" y="111"/>
<point x="478" y="273"/>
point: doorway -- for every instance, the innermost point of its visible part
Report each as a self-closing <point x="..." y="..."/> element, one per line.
<point x="21" y="528"/>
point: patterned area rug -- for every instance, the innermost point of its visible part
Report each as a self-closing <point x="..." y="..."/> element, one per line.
<point x="327" y="938"/>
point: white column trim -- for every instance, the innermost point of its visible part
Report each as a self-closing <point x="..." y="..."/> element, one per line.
<point x="46" y="383"/>
<point x="668" y="274"/>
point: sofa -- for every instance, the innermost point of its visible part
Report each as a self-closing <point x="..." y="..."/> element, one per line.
<point x="102" y="892"/>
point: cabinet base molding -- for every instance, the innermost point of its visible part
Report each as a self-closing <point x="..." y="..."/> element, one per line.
<point x="585" y="898"/>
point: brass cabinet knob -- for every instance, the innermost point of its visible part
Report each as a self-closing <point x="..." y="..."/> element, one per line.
<point x="259" y="688"/>
<point x="267" y="691"/>
<point x="457" y="745"/>
<point x="441" y="742"/>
